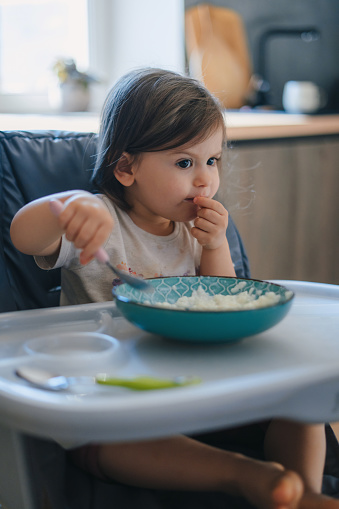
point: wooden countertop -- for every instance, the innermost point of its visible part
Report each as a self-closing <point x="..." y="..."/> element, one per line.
<point x="240" y="125"/>
<point x="271" y="125"/>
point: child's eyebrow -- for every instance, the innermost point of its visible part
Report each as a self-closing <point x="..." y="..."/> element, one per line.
<point x="189" y="153"/>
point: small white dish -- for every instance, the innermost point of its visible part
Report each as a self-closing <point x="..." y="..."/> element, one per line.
<point x="74" y="350"/>
<point x="303" y="97"/>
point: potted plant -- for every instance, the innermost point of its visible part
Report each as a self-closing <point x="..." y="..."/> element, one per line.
<point x="72" y="90"/>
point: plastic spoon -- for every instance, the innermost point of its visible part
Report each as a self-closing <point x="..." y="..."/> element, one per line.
<point x="45" y="380"/>
<point x="56" y="207"/>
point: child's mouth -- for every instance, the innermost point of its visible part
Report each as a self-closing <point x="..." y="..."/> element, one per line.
<point x="189" y="200"/>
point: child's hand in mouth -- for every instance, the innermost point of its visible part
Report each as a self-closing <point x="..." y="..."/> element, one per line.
<point x="197" y="199"/>
<point x="211" y="222"/>
<point x="193" y="199"/>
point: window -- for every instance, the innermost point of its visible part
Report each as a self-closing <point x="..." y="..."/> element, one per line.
<point x="33" y="35"/>
<point x="104" y="37"/>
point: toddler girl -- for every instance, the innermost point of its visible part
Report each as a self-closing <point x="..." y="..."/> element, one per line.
<point x="157" y="170"/>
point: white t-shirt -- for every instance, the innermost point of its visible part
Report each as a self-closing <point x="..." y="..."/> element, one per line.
<point x="129" y="248"/>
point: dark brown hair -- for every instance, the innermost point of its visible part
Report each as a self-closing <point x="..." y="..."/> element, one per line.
<point x="150" y="110"/>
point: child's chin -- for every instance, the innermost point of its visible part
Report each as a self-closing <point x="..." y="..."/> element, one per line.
<point x="185" y="214"/>
<point x="188" y="217"/>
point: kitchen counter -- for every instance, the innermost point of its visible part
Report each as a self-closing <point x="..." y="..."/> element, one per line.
<point x="241" y="125"/>
<point x="272" y="125"/>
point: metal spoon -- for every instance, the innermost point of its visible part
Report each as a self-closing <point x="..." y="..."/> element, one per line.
<point x="45" y="380"/>
<point x="56" y="207"/>
<point x="134" y="281"/>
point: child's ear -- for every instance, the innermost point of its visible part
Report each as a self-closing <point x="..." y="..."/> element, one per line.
<point x="123" y="171"/>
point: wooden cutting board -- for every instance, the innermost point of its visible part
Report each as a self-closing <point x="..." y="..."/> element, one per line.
<point x="217" y="52"/>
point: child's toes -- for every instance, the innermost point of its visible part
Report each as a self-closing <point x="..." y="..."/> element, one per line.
<point x="288" y="491"/>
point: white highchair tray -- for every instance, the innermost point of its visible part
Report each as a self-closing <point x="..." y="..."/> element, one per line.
<point x="291" y="370"/>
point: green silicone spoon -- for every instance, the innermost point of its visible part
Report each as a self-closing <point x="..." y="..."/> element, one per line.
<point x="53" y="382"/>
<point x="147" y="383"/>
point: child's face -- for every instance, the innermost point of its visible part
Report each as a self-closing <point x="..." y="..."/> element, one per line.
<point x="166" y="182"/>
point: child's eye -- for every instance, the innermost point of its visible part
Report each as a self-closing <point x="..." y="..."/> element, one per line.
<point x="185" y="163"/>
<point x="212" y="161"/>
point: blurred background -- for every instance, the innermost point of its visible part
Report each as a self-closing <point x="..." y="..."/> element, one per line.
<point x="268" y="42"/>
<point x="290" y="40"/>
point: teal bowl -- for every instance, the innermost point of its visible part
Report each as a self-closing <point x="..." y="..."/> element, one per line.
<point x="203" y="326"/>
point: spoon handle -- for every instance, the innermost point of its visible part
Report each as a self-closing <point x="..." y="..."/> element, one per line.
<point x="147" y="383"/>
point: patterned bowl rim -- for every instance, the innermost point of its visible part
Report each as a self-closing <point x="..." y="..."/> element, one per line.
<point x="127" y="300"/>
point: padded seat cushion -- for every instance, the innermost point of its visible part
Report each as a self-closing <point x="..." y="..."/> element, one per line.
<point x="32" y="165"/>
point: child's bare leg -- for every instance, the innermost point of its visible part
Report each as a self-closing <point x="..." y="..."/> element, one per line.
<point x="301" y="448"/>
<point x="181" y="463"/>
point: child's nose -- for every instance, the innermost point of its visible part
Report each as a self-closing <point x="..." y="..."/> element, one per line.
<point x="202" y="177"/>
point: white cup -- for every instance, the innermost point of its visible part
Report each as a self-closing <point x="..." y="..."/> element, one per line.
<point x="302" y="97"/>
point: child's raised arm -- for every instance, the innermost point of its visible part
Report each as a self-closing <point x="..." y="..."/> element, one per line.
<point x="85" y="220"/>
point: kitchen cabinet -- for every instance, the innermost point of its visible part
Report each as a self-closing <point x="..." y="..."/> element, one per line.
<point x="284" y="197"/>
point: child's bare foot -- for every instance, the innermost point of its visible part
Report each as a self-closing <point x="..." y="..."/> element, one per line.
<point x="268" y="486"/>
<point x="317" y="501"/>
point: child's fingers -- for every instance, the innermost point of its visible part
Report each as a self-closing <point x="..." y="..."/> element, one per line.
<point x="85" y="218"/>
<point x="211" y="216"/>
<point x="212" y="211"/>
<point x="86" y="222"/>
<point x="84" y="207"/>
<point x="210" y="224"/>
<point x="209" y="203"/>
<point x="210" y="220"/>
<point x="67" y="213"/>
<point x="201" y="236"/>
<point x="84" y="259"/>
<point x="204" y="224"/>
<point x="73" y="229"/>
<point x="92" y="246"/>
<point x="85" y="234"/>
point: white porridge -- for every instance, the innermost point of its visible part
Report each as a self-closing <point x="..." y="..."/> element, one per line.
<point x="200" y="300"/>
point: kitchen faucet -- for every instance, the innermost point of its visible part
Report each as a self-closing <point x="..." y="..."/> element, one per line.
<point x="306" y="34"/>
